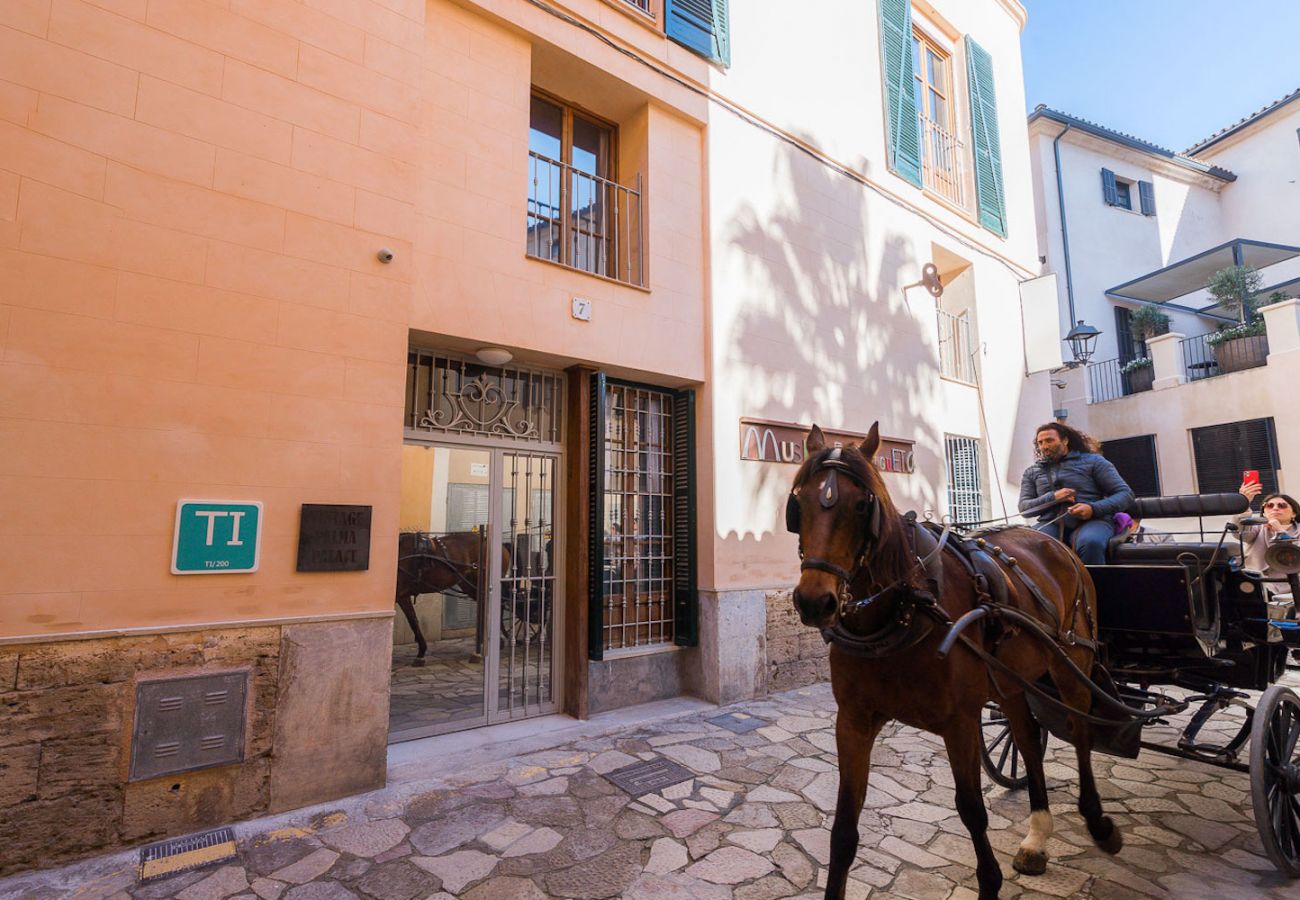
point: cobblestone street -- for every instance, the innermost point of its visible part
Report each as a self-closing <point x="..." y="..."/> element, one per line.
<point x="753" y="823"/>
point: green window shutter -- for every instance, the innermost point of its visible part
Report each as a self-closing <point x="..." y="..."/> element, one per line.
<point x="596" y="522"/>
<point x="1147" y="194"/>
<point x="989" y="193"/>
<point x="701" y="26"/>
<point x="686" y="598"/>
<point x="903" y="129"/>
<point x="1109" y="188"/>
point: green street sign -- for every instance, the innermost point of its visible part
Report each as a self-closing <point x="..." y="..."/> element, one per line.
<point x="217" y="537"/>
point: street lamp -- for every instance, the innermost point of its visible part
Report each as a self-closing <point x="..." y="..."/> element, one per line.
<point x="1082" y="340"/>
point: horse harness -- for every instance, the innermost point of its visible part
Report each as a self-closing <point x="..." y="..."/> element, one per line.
<point x="430" y="548"/>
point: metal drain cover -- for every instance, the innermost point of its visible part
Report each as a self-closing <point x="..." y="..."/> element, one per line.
<point x="652" y="775"/>
<point x="184" y="853"/>
<point x="740" y="723"/>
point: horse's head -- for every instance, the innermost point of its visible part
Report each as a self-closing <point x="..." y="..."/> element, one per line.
<point x="842" y="513"/>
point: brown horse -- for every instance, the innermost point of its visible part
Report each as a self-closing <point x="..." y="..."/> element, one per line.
<point x="432" y="564"/>
<point x="884" y="657"/>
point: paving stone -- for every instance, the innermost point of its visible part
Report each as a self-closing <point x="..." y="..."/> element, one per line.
<point x="657" y="803"/>
<point x="269" y="856"/>
<point x="823" y="791"/>
<point x="610" y="760"/>
<point x="505" y="887"/>
<point x="268" y="889"/>
<point x="760" y="841"/>
<point x="796" y="815"/>
<point x="693" y="758"/>
<point x="602" y="810"/>
<point x="505" y="834"/>
<point x="634" y="826"/>
<point x="770" y="887"/>
<point x="908" y="853"/>
<point x="369" y="839"/>
<point x="730" y="865"/>
<point x="674" y="887"/>
<point x="548" y="788"/>
<point x="458" y="827"/>
<point x="349" y="867"/>
<point x="687" y="821"/>
<point x="540" y="841"/>
<point x="555" y="812"/>
<point x="1210" y="835"/>
<point x="312" y="866"/>
<point x="320" y="890"/>
<point x="397" y="881"/>
<point x="220" y="884"/>
<point x="588" y="843"/>
<point x="602" y="876"/>
<point x="666" y="855"/>
<point x="707" y="839"/>
<point x="751" y="815"/>
<point x="458" y="870"/>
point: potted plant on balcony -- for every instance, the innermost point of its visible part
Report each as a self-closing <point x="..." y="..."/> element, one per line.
<point x="1147" y="322"/>
<point x="1244" y="345"/>
<point x="1139" y="374"/>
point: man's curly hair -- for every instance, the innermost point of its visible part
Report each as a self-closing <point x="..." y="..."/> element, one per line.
<point x="1078" y="441"/>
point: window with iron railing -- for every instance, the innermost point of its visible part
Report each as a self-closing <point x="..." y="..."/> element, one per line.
<point x="942" y="154"/>
<point x="965" y="486"/>
<point x="955" y="347"/>
<point x="578" y="215"/>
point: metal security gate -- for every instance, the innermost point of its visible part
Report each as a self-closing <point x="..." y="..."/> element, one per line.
<point x="482" y="460"/>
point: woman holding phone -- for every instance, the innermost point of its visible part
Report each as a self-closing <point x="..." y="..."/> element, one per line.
<point x="1280" y="513"/>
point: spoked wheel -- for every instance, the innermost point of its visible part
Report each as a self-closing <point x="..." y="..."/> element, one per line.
<point x="1275" y="776"/>
<point x="998" y="751"/>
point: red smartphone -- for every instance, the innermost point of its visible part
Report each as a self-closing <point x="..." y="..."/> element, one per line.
<point x="1250" y="476"/>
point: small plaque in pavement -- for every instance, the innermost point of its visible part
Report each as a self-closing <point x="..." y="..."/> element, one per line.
<point x="652" y="775"/>
<point x="739" y="722"/>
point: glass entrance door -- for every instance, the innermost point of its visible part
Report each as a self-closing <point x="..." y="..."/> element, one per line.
<point x="473" y="638"/>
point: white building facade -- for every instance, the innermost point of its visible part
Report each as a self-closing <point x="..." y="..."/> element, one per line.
<point x="1125" y="224"/>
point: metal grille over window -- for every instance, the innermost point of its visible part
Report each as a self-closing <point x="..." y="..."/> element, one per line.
<point x="955" y="349"/>
<point x="638" y="522"/>
<point x="965" y="491"/>
<point x="448" y="395"/>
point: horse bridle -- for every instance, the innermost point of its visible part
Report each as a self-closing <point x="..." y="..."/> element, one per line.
<point x="828" y="494"/>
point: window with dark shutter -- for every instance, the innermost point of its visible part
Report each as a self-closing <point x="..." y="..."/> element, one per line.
<point x="902" y="125"/>
<point x="642" y="559"/>
<point x="1109" y="188"/>
<point x="1147" y="196"/>
<point x="990" y="195"/>
<point x="1224" y="452"/>
<point x="1135" y="460"/>
<point x="701" y="26"/>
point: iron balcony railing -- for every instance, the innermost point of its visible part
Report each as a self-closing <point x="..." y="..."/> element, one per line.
<point x="1201" y="359"/>
<point x="942" y="162"/>
<point x="584" y="221"/>
<point x="955" y="348"/>
<point x="643" y="5"/>
<point x="1106" y="381"/>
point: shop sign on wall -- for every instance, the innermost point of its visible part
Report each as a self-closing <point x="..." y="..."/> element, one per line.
<point x="334" y="538"/>
<point x="217" y="537"/>
<point x="782" y="442"/>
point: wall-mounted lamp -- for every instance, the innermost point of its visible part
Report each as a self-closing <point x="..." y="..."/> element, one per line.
<point x="1083" y="341"/>
<point x="494" y="356"/>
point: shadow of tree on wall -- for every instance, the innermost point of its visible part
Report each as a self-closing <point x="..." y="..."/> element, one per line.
<point x="823" y="330"/>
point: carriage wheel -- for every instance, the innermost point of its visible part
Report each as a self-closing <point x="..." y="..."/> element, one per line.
<point x="998" y="752"/>
<point x="1275" y="776"/>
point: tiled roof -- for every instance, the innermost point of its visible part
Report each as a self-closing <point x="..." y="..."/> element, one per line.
<point x="1236" y="126"/>
<point x="1041" y="111"/>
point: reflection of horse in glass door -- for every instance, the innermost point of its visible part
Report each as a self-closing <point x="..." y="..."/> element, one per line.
<point x="430" y="563"/>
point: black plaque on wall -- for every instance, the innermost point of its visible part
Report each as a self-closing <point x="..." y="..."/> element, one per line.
<point x="334" y="538"/>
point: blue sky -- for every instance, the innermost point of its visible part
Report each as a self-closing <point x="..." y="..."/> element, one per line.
<point x="1169" y="71"/>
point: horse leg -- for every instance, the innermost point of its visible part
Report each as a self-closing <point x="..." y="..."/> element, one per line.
<point x="962" y="740"/>
<point x="1104" y="833"/>
<point x="854" y="738"/>
<point x="1032" y="856"/>
<point x="406" y="604"/>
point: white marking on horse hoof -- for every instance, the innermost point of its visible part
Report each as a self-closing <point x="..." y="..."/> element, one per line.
<point x="1040" y="829"/>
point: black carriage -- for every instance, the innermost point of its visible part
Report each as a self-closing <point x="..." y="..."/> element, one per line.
<point x="1185" y="613"/>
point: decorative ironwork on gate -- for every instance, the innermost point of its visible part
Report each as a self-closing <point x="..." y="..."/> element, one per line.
<point x="451" y="395"/>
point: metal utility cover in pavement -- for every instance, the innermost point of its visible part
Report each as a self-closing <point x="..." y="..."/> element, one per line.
<point x="653" y="775"/>
<point x="181" y="854"/>
<point x="740" y="723"/>
<point x="183" y="724"/>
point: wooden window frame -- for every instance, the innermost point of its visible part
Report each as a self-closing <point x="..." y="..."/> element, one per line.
<point x="567" y="112"/>
<point x="652" y="18"/>
<point x="1124" y="194"/>
<point x="922" y="75"/>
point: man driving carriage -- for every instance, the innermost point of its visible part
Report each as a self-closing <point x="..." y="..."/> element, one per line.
<point x="1074" y="490"/>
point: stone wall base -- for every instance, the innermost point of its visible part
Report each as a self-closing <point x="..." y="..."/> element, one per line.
<point x="317" y="694"/>
<point x="796" y="654"/>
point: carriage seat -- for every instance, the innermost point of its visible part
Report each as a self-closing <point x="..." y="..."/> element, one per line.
<point x="1186" y="506"/>
<point x="1123" y="552"/>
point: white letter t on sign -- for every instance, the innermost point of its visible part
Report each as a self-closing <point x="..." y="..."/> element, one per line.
<point x="212" y="515"/>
